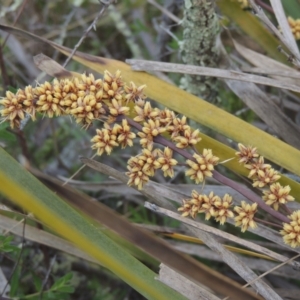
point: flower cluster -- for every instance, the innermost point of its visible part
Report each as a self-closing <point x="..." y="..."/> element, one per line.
<point x="87" y="99"/>
<point x="144" y="165"/>
<point x="263" y="175"/>
<point x="211" y="205"/>
<point x="83" y="97"/>
<point x="202" y="166"/>
<point x="295" y="27"/>
<point x="219" y="208"/>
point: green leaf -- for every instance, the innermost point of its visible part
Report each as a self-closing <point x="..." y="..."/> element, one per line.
<point x="62" y="281"/>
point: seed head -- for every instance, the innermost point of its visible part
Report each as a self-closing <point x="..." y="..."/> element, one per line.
<point x="186" y="209"/>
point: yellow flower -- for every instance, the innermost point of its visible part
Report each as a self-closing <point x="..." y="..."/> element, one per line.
<point x="246" y="154"/>
<point x="203" y="166"/>
<point x="291" y="231"/>
<point x="222" y="209"/>
<point x="190" y="138"/>
<point x="167" y="162"/>
<point x="13" y="108"/>
<point x="277" y="195"/>
<point x="105" y="140"/>
<point x="125" y="136"/>
<point x="295" y="27"/>
<point x="245" y="215"/>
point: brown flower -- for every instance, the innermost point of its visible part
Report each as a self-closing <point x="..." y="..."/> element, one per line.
<point x="136" y="174"/>
<point x="146" y="140"/>
<point x="291" y="231"/>
<point x="277" y="194"/>
<point x="153" y="128"/>
<point x="245" y="215"/>
<point x="86" y="109"/>
<point x="166" y="116"/>
<point x="116" y="108"/>
<point x="178" y="126"/>
<point x="112" y="86"/>
<point x="256" y="166"/>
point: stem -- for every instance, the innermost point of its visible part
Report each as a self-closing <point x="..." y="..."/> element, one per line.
<point x="267" y="223"/>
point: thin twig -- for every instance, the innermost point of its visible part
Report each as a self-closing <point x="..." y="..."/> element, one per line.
<point x="15" y="21"/>
<point x="81" y="168"/>
<point x="165" y="11"/>
<point x="273" y="269"/>
<point x="92" y="26"/>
